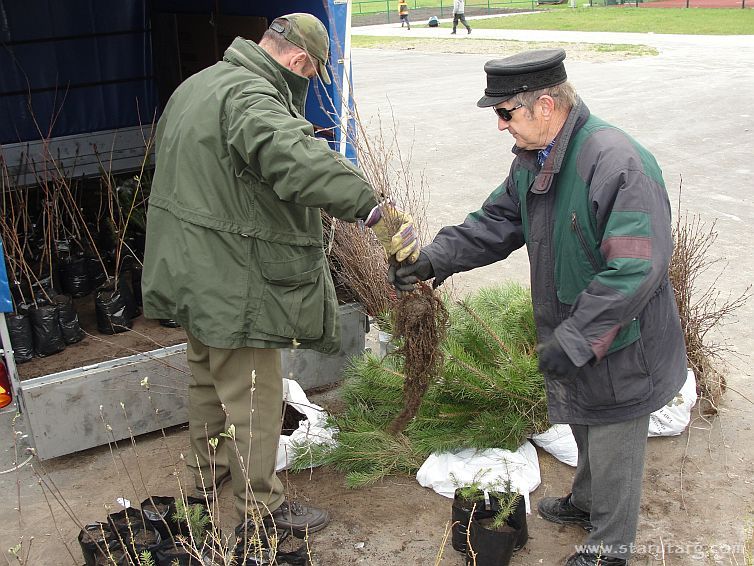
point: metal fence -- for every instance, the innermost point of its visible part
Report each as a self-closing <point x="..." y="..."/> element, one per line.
<point x="366" y="12"/>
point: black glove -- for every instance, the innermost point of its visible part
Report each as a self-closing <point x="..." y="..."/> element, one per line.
<point x="553" y="360"/>
<point x="406" y="275"/>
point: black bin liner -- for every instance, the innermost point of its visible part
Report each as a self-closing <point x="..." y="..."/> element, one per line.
<point x="97" y="276"/>
<point x="21" y="335"/>
<point x="74" y="276"/>
<point x="69" y="320"/>
<point x="111" y="308"/>
<point x="45" y="324"/>
<point x="132" y="308"/>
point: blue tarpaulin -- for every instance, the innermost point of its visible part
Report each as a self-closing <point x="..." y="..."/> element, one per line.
<point x="6" y="304"/>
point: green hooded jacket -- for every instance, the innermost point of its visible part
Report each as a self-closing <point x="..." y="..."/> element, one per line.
<point x="234" y="232"/>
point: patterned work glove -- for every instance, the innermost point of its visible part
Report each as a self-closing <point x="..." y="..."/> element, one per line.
<point x="553" y="360"/>
<point x="405" y="277"/>
<point x="395" y="230"/>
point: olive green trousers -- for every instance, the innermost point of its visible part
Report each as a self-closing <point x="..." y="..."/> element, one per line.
<point x="242" y="387"/>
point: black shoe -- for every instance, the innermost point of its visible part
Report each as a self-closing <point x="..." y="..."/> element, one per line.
<point x="169" y="323"/>
<point x="297" y="518"/>
<point x="453" y="32"/>
<point x="209" y="491"/>
<point x="560" y="510"/>
<point x="588" y="559"/>
<point x="469" y="31"/>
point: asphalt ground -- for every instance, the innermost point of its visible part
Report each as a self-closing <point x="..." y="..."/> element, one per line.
<point x="691" y="106"/>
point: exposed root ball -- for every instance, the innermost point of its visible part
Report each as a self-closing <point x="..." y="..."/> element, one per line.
<point x="420" y="319"/>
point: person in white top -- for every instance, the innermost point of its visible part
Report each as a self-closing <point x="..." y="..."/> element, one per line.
<point x="458" y="9"/>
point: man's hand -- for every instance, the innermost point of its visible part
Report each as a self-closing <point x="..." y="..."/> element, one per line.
<point x="553" y="360"/>
<point x="405" y="277"/>
<point x="395" y="230"/>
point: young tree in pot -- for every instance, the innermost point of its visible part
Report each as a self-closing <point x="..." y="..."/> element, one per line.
<point x="492" y="540"/>
<point x="469" y="502"/>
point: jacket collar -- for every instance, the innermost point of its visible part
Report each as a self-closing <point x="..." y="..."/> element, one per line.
<point x="577" y="117"/>
<point x="245" y="53"/>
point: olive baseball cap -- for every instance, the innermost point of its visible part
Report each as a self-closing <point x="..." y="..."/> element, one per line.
<point x="309" y="33"/>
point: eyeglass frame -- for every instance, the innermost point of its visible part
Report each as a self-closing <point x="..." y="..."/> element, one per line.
<point x="505" y="113"/>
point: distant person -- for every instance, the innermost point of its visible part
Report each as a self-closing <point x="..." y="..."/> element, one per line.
<point x="403" y="13"/>
<point x="458" y="16"/>
<point x="590" y="205"/>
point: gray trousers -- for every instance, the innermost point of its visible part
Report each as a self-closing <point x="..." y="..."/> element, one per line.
<point x="462" y="19"/>
<point x="608" y="480"/>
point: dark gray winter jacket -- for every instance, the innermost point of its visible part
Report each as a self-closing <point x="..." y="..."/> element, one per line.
<point x="596" y="222"/>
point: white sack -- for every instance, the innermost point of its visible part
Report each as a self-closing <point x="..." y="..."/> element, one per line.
<point x="310" y="430"/>
<point x="673" y="418"/>
<point x="558" y="440"/>
<point x="494" y="465"/>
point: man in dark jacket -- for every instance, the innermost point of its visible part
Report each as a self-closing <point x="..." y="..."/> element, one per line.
<point x="590" y="204"/>
<point x="234" y="251"/>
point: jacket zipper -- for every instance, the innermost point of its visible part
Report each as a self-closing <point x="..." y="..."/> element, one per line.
<point x="576" y="228"/>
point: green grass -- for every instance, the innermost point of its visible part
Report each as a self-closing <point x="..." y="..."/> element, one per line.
<point x="692" y="21"/>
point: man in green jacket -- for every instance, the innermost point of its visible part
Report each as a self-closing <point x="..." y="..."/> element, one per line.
<point x="234" y="250"/>
<point x="591" y="207"/>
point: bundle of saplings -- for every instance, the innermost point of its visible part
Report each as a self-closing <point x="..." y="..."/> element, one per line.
<point x="489" y="394"/>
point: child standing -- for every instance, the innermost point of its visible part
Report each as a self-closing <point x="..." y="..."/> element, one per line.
<point x="403" y="13"/>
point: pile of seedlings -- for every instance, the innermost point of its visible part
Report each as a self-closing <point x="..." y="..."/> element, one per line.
<point x="488" y="393"/>
<point x="701" y="307"/>
<point x="64" y="240"/>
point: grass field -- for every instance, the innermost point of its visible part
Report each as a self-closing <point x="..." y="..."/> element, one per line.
<point x="692" y="21"/>
<point x="695" y="21"/>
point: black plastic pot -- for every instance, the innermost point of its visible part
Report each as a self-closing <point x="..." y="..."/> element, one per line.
<point x="518" y="521"/>
<point x="94" y="539"/>
<point x="491" y="546"/>
<point x="116" y="556"/>
<point x="73" y="273"/>
<point x="45" y="325"/>
<point x="21" y="334"/>
<point x="461" y="515"/>
<point x="111" y="308"/>
<point x="160" y="513"/>
<point x="68" y="319"/>
<point x="133" y="532"/>
<point x="488" y="546"/>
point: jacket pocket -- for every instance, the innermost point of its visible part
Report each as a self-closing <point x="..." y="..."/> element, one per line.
<point x="621" y="379"/>
<point x="292" y="304"/>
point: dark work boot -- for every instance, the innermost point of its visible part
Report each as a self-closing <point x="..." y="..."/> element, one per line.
<point x="210" y="491"/>
<point x="589" y="559"/>
<point x="560" y="510"/>
<point x="297" y="518"/>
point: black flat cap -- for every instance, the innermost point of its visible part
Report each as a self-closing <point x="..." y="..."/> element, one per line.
<point x="530" y="70"/>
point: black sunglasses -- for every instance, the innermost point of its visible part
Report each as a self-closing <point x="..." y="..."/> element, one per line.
<point x="505" y="113"/>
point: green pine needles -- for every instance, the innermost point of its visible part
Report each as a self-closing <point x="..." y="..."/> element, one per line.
<point x="490" y="394"/>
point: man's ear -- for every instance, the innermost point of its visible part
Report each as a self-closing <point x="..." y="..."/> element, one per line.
<point x="547" y="105"/>
<point x="298" y="60"/>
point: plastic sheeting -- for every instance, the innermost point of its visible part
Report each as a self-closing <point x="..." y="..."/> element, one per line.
<point x="311" y="430"/>
<point x="492" y="468"/>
